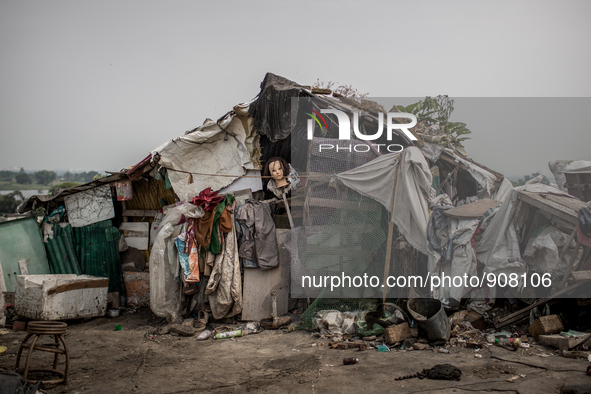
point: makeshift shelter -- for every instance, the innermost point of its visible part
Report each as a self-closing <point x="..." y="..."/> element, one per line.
<point x="352" y="213"/>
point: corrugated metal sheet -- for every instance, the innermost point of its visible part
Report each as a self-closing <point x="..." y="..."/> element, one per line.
<point x="90" y="250"/>
<point x="21" y="239"/>
<point x="97" y="248"/>
<point x="61" y="251"/>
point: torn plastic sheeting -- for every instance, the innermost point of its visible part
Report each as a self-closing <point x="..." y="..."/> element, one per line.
<point x="542" y="252"/>
<point x="213" y="148"/>
<point x="332" y="322"/>
<point x="498" y="248"/>
<point x="413" y="190"/>
<point x="165" y="294"/>
<point x="485" y="179"/>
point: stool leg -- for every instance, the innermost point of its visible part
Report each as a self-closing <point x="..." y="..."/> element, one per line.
<point x="26" y="372"/>
<point x="61" y="337"/>
<point x="20" y="351"/>
<point x="57" y="346"/>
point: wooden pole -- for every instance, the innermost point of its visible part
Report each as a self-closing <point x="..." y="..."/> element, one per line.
<point x="569" y="268"/>
<point x="390" y="233"/>
<point x="288" y="212"/>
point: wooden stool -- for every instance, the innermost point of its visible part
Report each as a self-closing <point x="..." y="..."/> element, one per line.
<point x="36" y="329"/>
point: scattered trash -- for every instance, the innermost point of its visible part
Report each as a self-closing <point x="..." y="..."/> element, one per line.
<point x="186" y="329"/>
<point x="118" y="327"/>
<point x="438" y="372"/>
<point x="231" y="334"/>
<point x="442" y="350"/>
<point x="3" y="349"/>
<point x="545" y="325"/>
<point x="383" y="348"/>
<point x="397" y="333"/>
<point x="514" y="342"/>
<point x="253" y="327"/>
<point x="431" y="317"/>
<point x="478" y="355"/>
<point x="512" y="379"/>
<point x="205" y="334"/>
<point x="350" y="360"/>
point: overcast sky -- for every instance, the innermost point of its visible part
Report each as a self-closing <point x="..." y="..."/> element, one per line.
<point x="96" y="85"/>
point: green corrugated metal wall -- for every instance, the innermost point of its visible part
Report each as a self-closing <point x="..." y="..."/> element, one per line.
<point x="90" y="250"/>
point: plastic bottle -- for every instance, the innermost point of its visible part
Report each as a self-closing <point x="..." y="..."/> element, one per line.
<point x="350" y="360"/>
<point x="231" y="334"/>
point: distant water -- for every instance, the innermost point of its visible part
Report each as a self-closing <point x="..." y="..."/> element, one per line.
<point x="26" y="193"/>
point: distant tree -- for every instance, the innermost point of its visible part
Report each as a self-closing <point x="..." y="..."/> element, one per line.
<point x="22" y="178"/>
<point x="63" y="185"/>
<point x="6" y="176"/>
<point x="88" y="176"/>
<point x="522" y="181"/>
<point x="45" y="177"/>
<point x="9" y="202"/>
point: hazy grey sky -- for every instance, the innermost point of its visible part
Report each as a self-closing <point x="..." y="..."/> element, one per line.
<point x="96" y="85"/>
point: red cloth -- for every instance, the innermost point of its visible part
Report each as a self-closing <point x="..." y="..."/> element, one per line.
<point x="207" y="199"/>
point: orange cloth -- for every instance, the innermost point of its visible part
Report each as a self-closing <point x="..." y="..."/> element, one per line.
<point x="203" y="226"/>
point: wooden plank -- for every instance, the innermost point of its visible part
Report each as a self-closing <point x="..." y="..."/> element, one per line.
<point x="332" y="228"/>
<point x="581" y="275"/>
<point x="473" y="210"/>
<point x="23" y="266"/>
<point x="137" y="234"/>
<point x="257" y="287"/>
<point x="522" y="313"/>
<point x="561" y="208"/>
<point x="139" y="213"/>
<point x="353" y="206"/>
<point x="91" y="284"/>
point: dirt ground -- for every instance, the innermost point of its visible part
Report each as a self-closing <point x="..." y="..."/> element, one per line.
<point x="103" y="360"/>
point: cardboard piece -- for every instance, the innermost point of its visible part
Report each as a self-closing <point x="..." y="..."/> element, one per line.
<point x="545" y="325"/>
<point x="471" y="211"/>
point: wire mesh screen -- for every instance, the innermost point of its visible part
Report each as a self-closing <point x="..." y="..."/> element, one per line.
<point x="343" y="233"/>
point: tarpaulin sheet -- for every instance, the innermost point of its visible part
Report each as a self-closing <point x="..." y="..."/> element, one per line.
<point x="413" y="190"/>
<point x="498" y="248"/>
<point x="218" y="149"/>
<point x="485" y="179"/>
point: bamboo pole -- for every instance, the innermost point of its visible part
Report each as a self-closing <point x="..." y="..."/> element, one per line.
<point x="390" y="233"/>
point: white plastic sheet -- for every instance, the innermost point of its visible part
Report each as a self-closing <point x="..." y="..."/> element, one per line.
<point x="221" y="150"/>
<point x="165" y="291"/>
<point x="498" y="248"/>
<point x="413" y="190"/>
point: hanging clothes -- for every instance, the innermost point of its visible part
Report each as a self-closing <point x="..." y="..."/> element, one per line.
<point x="260" y="243"/>
<point x="224" y="287"/>
<point x="216" y="242"/>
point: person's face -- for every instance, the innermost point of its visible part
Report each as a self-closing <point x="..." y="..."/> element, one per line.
<point x="276" y="170"/>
